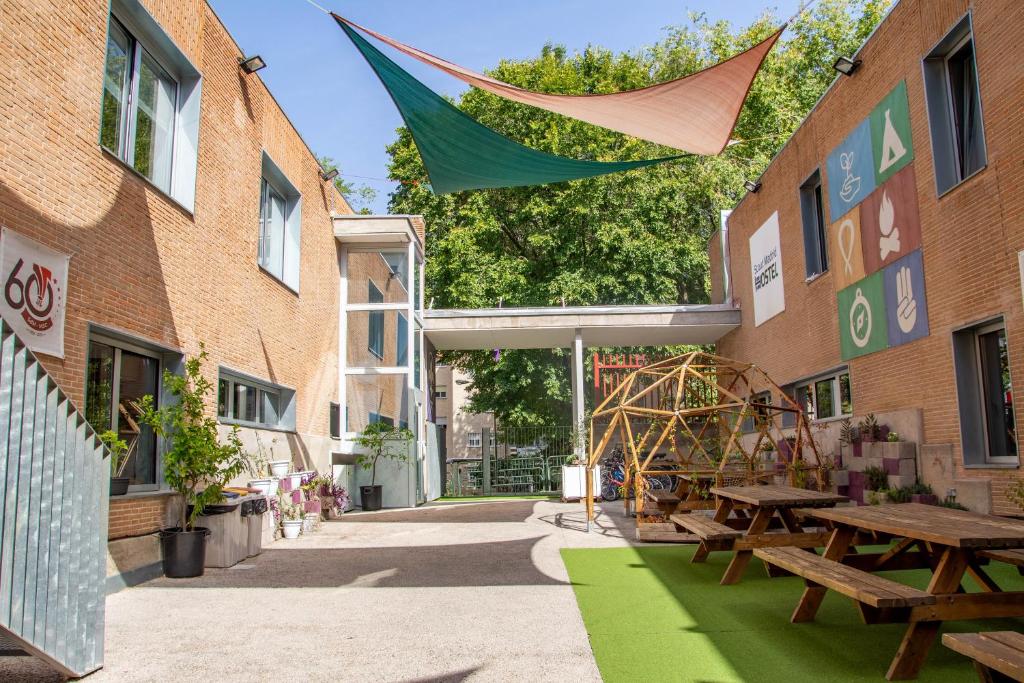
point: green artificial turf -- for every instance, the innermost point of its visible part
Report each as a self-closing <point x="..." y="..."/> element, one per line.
<point x="653" y="616"/>
<point x="506" y="496"/>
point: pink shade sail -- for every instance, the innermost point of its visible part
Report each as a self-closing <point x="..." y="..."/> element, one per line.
<point x="695" y="113"/>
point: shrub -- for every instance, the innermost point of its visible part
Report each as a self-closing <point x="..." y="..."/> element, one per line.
<point x="878" y="480"/>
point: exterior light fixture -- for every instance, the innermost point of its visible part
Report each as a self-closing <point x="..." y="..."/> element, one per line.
<point x="846" y="66"/>
<point x="329" y="175"/>
<point x="752" y="185"/>
<point x="251" y="65"/>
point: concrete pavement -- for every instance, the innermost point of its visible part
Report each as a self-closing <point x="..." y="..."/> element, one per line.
<point x="445" y="592"/>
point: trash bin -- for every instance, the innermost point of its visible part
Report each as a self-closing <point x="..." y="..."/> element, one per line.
<point x="228" y="543"/>
<point x="257" y="508"/>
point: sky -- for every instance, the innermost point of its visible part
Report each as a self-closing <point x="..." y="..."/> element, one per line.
<point x="342" y="111"/>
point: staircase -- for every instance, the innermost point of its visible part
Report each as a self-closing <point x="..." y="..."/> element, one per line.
<point x="54" y="483"/>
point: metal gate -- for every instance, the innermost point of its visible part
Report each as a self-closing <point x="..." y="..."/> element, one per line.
<point x="518" y="460"/>
<point x="54" y="483"/>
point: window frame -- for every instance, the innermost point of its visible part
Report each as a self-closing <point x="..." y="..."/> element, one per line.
<point x="375" y="319"/>
<point x="474" y="440"/>
<point x="274" y="181"/>
<point x="939" y="104"/>
<point x="285" y="402"/>
<point x="813" y="226"/>
<point x="441" y="392"/>
<point x="810" y="384"/>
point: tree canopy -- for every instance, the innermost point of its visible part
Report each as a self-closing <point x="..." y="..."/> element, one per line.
<point x="631" y="238"/>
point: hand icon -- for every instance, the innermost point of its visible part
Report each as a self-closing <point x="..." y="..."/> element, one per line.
<point x="906" y="306"/>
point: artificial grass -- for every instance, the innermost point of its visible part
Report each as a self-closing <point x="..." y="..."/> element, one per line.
<point x="505" y="496"/>
<point x="653" y="616"/>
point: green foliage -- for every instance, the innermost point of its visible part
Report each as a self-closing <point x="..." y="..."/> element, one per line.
<point x="893" y="437"/>
<point x="381" y="440"/>
<point x="952" y="504"/>
<point x="196" y="464"/>
<point x="877" y="479"/>
<point x="630" y="238"/>
<point x="119" y="453"/>
<point x="846" y="435"/>
<point x="1015" y="492"/>
<point x="869" y="429"/>
<point x="359" y="197"/>
<point x="921" y="489"/>
<point x="900" y="495"/>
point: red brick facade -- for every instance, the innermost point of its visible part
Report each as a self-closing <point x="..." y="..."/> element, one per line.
<point x="970" y="236"/>
<point x="143" y="265"/>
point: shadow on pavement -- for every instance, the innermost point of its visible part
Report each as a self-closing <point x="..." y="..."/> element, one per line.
<point x="465" y="513"/>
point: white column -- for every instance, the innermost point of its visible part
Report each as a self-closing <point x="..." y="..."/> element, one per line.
<point x="577" y="395"/>
<point x="342" y="339"/>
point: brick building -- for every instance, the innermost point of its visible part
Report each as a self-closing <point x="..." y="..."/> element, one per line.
<point x="193" y="213"/>
<point x="878" y="266"/>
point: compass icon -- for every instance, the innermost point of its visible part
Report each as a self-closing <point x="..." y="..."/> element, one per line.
<point x="860" y="320"/>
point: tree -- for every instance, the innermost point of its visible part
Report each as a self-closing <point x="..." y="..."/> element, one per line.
<point x="359" y="197"/>
<point x="629" y="238"/>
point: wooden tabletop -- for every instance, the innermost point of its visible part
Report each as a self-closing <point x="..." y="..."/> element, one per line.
<point x="778" y="496"/>
<point x="945" y="526"/>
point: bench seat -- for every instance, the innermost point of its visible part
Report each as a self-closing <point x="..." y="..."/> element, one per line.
<point x="1001" y="651"/>
<point x="705" y="527"/>
<point x="662" y="496"/>
<point x="869" y="589"/>
<point x="1014" y="557"/>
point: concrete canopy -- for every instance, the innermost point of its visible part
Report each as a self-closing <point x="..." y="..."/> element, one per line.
<point x="556" y="327"/>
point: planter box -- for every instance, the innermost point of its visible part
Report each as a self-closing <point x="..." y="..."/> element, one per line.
<point x="313" y="506"/>
<point x="875" y="497"/>
<point x="924" y="498"/>
<point x="841" y="477"/>
<point x="574" y="482"/>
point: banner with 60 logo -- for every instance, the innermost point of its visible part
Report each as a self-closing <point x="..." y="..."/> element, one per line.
<point x="34" y="280"/>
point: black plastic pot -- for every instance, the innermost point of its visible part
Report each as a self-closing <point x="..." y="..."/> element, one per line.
<point x="372" y="497"/>
<point x="118" y="486"/>
<point x="184" y="552"/>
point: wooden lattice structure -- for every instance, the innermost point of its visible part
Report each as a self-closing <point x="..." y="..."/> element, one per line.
<point x="707" y="415"/>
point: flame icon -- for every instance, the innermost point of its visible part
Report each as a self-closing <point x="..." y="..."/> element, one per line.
<point x="889" y="242"/>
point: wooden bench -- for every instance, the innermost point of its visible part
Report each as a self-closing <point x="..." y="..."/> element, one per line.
<point x="1014" y="557"/>
<point x="860" y="585"/>
<point x="705" y="527"/>
<point x="998" y="655"/>
<point x="662" y="496"/>
<point x="663" y="533"/>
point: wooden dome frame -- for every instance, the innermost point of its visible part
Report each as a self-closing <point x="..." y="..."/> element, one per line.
<point x="706" y="407"/>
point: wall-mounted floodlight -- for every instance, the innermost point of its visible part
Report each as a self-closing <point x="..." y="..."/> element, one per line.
<point x="752" y="185"/>
<point x="251" y="65"/>
<point x="329" y="175"/>
<point x="846" y="66"/>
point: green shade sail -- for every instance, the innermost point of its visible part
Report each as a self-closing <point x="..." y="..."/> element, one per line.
<point x="462" y="154"/>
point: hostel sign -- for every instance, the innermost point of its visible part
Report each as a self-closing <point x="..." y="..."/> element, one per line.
<point x="766" y="271"/>
<point x="34" y="279"/>
<point x="876" y="232"/>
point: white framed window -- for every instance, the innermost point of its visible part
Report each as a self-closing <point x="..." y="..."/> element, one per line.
<point x="824" y="397"/>
<point x="474" y="440"/>
<point x="440" y="392"/>
<point x="280" y="225"/>
<point x="985" y="395"/>
<point x="953" y="99"/>
<point x="812" y="211"/>
<point x="245" y="401"/>
<point x="149" y="115"/>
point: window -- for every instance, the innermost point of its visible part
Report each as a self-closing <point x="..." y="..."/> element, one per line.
<point x="375" y="418"/>
<point x="475" y="440"/>
<point x="245" y="401"/>
<point x="985" y="395"/>
<point x="149" y="115"/>
<point x="117" y="377"/>
<point x="440" y="392"/>
<point x="376" y="329"/>
<point x="824" y="397"/>
<point x="335" y="420"/>
<point x="954" y="108"/>
<point x="813" y="213"/>
<point x="759" y="414"/>
<point x="280" y="225"/>
<point x="402" y="341"/>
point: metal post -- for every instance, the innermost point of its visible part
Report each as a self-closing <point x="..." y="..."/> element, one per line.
<point x="485" y="462"/>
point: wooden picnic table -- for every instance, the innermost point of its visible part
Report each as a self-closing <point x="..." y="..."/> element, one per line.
<point x="949" y="542"/>
<point x="772" y="524"/>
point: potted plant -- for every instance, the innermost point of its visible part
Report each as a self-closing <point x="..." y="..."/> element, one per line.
<point x="876" y="482"/>
<point x="277" y="468"/>
<point x="922" y="493"/>
<point x="259" y="467"/>
<point x="196" y="464"/>
<point x="291" y="514"/>
<point x="119" y="456"/>
<point x="380" y="440"/>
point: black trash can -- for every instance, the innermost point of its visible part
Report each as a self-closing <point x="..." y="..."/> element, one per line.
<point x="372" y="497"/>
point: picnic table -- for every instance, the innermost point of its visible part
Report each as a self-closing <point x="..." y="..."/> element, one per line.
<point x="773" y="523"/>
<point x="998" y="656"/>
<point x="949" y="542"/>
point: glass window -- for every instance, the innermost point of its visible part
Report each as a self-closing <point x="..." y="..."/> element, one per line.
<point x="823" y="398"/>
<point x="845" y="394"/>
<point x="805" y="399"/>
<point x="441" y="421"/>
<point x="985" y="395"/>
<point x="812" y="210"/>
<point x="280" y="228"/>
<point x="249" y="403"/>
<point x="441" y="392"/>
<point x="402" y="341"/>
<point x="953" y="98"/>
<point x="116" y="379"/>
<point x="272" y="230"/>
<point x="376" y="327"/>
<point x="139" y="108"/>
<point x="475" y="440"/>
<point x="335" y="420"/>
<point x="997" y="393"/>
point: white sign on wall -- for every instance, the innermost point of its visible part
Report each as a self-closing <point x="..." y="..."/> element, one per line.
<point x="766" y="271"/>
<point x="34" y="279"/>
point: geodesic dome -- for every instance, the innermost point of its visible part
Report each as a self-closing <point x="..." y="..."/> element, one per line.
<point x="704" y="414"/>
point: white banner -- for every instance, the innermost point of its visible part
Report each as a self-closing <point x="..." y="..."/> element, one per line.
<point x="766" y="271"/>
<point x="35" y="281"/>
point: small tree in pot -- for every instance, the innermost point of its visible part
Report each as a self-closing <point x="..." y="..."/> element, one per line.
<point x="380" y="440"/>
<point x="120" y="454"/>
<point x="196" y="464"/>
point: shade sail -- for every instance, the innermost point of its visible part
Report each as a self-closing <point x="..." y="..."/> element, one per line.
<point x="462" y="154"/>
<point x="695" y="113"/>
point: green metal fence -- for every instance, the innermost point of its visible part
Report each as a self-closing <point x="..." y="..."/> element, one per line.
<point x="521" y="460"/>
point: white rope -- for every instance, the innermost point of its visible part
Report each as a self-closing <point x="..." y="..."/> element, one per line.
<point x="325" y="11"/>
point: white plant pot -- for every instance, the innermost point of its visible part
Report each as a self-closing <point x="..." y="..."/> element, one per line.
<point x="274" y="481"/>
<point x="291" y="528"/>
<point x="296" y="479"/>
<point x="310" y="521"/>
<point x="267" y="487"/>
<point x="279" y="468"/>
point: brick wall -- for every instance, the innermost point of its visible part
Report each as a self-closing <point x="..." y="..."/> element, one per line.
<point x="140" y="263"/>
<point x="970" y="236"/>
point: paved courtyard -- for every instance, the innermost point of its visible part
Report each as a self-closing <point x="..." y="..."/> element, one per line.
<point x="445" y="592"/>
